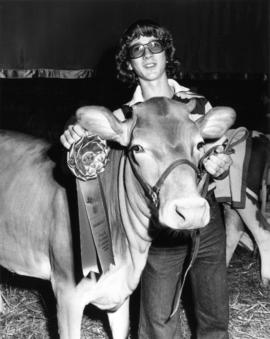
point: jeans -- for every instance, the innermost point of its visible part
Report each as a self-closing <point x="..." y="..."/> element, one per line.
<point x="208" y="280"/>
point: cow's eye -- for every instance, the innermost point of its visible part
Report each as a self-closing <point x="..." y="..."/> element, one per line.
<point x="200" y="145"/>
<point x="137" y="149"/>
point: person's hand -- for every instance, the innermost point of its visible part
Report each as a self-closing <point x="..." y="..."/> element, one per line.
<point x="72" y="134"/>
<point x="218" y="163"/>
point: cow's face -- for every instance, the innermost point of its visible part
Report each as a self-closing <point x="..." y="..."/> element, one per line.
<point x="160" y="133"/>
<point x="164" y="134"/>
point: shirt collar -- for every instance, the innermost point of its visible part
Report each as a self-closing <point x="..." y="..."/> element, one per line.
<point x="138" y="97"/>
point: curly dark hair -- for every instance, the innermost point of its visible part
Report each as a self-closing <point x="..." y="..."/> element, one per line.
<point x="145" y="28"/>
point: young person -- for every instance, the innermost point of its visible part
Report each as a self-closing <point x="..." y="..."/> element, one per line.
<point x="146" y="59"/>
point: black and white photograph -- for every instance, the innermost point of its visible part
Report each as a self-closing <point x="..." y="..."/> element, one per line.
<point x="134" y="169"/>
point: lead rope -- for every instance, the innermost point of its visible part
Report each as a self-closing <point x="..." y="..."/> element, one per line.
<point x="203" y="187"/>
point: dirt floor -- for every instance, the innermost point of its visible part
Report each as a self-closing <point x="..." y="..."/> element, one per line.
<point x="29" y="311"/>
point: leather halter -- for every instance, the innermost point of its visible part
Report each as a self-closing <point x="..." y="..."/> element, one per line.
<point x="152" y="192"/>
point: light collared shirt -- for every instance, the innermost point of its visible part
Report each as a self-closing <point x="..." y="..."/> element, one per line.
<point x="178" y="90"/>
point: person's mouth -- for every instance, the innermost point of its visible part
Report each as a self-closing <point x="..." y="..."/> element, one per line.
<point x="150" y="65"/>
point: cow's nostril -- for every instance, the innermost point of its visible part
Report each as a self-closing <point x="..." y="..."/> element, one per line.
<point x="180" y="214"/>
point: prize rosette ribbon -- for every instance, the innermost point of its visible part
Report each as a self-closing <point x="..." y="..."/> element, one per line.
<point x="88" y="157"/>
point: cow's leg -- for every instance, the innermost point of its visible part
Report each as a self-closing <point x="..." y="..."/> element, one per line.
<point x="69" y="311"/>
<point x="260" y="230"/>
<point x="1" y="303"/>
<point x="247" y="242"/>
<point x="119" y="321"/>
<point x="2" y="309"/>
<point x="234" y="231"/>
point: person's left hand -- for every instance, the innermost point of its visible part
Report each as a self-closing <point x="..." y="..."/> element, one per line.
<point x="218" y="163"/>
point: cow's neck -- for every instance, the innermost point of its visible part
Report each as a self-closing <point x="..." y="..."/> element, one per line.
<point x="134" y="210"/>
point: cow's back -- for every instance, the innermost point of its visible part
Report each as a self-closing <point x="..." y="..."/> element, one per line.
<point x="34" y="220"/>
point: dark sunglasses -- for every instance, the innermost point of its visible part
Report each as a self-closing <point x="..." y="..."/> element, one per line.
<point x="138" y="50"/>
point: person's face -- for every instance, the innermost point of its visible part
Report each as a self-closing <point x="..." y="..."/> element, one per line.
<point x="149" y="66"/>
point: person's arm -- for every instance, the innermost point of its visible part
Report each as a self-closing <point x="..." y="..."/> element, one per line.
<point x="74" y="132"/>
<point x="217" y="164"/>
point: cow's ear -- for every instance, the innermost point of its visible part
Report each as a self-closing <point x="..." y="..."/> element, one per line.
<point x="216" y="122"/>
<point x="101" y="121"/>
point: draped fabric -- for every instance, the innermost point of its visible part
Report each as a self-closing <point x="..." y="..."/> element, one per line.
<point x="46" y="73"/>
<point x="72" y="38"/>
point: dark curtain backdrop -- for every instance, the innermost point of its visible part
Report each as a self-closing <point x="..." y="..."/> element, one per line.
<point x="211" y="36"/>
<point x="223" y="46"/>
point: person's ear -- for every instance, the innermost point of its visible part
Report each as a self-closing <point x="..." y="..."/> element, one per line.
<point x="130" y="68"/>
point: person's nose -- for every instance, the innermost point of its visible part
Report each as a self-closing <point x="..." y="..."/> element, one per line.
<point x="147" y="52"/>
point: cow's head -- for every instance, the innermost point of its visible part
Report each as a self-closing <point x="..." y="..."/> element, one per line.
<point x="159" y="134"/>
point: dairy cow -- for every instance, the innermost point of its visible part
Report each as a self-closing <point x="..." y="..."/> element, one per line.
<point x="249" y="216"/>
<point x="36" y="211"/>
